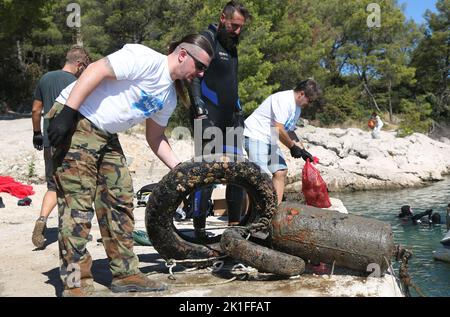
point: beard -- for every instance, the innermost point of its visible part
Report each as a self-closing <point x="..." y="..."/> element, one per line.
<point x="228" y="41"/>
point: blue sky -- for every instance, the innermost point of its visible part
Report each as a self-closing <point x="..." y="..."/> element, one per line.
<point x="416" y="8"/>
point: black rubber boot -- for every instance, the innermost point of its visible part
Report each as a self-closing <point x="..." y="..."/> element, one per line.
<point x="235" y="196"/>
<point x="200" y="205"/>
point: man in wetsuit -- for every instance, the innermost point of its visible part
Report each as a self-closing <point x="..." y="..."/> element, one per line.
<point x="215" y="103"/>
<point x="407" y="213"/>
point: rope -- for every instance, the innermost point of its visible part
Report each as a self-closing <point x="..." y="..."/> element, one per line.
<point x="173" y="263"/>
<point x="332" y="269"/>
<point x="205" y="284"/>
<point x="216" y="267"/>
<point x="171" y="276"/>
<point x="394" y="277"/>
<point x="247" y="269"/>
<point x="418" y="290"/>
<point x="405" y="278"/>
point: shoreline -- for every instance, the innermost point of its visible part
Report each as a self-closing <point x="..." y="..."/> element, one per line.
<point x="350" y="160"/>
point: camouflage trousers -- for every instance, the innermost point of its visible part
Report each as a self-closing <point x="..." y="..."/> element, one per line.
<point x="93" y="171"/>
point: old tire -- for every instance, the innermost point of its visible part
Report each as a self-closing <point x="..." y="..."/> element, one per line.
<point x="186" y="179"/>
<point x="261" y="258"/>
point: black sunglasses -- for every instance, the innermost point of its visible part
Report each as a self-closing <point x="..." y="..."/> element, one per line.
<point x="198" y="65"/>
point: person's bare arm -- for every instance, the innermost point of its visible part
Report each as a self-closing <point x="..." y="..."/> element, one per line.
<point x="295" y="138"/>
<point x="283" y="135"/>
<point x="94" y="74"/>
<point x="36" y="114"/>
<point x="159" y="144"/>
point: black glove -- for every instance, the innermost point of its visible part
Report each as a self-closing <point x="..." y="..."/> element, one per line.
<point x="38" y="140"/>
<point x="199" y="107"/>
<point x="61" y="126"/>
<point x="297" y="152"/>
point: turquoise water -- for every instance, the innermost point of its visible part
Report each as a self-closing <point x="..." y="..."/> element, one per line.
<point x="432" y="277"/>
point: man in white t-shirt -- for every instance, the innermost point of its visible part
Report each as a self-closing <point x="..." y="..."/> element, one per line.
<point x="129" y="86"/>
<point x="275" y="120"/>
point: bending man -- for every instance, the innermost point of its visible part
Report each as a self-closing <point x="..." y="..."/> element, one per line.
<point x="275" y="120"/>
<point x="129" y="86"/>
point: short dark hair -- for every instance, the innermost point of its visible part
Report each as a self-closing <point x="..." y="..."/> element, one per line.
<point x="405" y="209"/>
<point x="233" y="6"/>
<point x="199" y="41"/>
<point x="77" y="53"/>
<point x="310" y="88"/>
<point x="195" y="39"/>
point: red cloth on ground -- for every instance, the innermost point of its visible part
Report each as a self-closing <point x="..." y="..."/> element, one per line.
<point x="17" y="189"/>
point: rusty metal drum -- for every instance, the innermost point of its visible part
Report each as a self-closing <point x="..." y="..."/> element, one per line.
<point x="318" y="235"/>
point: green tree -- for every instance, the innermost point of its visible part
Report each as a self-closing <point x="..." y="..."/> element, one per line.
<point x="376" y="53"/>
<point x="432" y="60"/>
<point x="359" y="68"/>
<point x="17" y="20"/>
<point x="393" y="66"/>
<point x="342" y="104"/>
<point x="416" y="116"/>
<point x="255" y="67"/>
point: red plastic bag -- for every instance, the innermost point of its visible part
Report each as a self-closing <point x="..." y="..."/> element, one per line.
<point x="314" y="188"/>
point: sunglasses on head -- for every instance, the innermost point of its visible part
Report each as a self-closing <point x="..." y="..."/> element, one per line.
<point x="198" y="65"/>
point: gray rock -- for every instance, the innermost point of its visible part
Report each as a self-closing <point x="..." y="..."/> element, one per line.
<point x="350" y="159"/>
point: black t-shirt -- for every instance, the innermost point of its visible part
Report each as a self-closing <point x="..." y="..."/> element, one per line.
<point x="48" y="89"/>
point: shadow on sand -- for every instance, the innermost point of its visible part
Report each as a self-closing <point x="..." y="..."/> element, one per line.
<point x="101" y="272"/>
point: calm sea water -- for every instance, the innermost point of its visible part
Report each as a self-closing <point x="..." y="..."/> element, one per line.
<point x="431" y="276"/>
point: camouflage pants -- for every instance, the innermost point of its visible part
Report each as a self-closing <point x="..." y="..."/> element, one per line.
<point x="91" y="171"/>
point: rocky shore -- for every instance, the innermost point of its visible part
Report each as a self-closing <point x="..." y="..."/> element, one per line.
<point x="349" y="158"/>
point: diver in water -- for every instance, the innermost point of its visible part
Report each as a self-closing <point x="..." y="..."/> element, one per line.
<point x="406" y="213"/>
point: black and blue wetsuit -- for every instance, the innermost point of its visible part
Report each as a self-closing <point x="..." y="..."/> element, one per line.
<point x="218" y="89"/>
<point x="217" y="93"/>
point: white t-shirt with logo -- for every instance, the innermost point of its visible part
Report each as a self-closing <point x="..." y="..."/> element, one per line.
<point x="143" y="89"/>
<point x="279" y="107"/>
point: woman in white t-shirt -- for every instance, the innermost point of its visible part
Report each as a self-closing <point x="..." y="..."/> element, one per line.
<point x="132" y="85"/>
<point x="275" y="120"/>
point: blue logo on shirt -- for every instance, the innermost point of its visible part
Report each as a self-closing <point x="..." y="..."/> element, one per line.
<point x="148" y="104"/>
<point x="292" y="121"/>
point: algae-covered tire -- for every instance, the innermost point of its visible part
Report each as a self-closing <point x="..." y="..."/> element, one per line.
<point x="186" y="179"/>
<point x="261" y="258"/>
